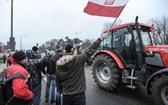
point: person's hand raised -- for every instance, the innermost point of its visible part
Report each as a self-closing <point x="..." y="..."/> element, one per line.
<point x="80" y="43"/>
<point x="103" y="36"/>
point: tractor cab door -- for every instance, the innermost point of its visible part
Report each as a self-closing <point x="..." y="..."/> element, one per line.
<point x="140" y="41"/>
<point x="119" y="41"/>
<point x="123" y="47"/>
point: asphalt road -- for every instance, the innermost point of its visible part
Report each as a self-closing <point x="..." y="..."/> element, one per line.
<point x="96" y="96"/>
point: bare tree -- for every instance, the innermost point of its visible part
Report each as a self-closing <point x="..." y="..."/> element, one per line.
<point x="108" y="25"/>
<point x="161" y="29"/>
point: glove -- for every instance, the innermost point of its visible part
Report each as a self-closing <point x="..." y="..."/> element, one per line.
<point x="103" y="36"/>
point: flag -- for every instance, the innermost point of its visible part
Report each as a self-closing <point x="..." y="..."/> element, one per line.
<point x="152" y="27"/>
<point x="151" y="23"/>
<point x="107" y="8"/>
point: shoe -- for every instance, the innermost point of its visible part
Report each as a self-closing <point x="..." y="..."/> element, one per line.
<point x="53" y="101"/>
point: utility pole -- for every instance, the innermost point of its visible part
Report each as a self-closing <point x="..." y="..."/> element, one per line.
<point x="12" y="39"/>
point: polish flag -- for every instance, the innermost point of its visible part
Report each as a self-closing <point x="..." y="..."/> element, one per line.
<point x="107" y="8"/>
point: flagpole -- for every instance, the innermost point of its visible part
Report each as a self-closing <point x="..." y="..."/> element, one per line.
<point x="112" y="24"/>
<point x="116" y="18"/>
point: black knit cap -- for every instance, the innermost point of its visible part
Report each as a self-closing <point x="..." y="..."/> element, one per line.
<point x="59" y="48"/>
<point x="19" y="56"/>
<point x="68" y="48"/>
<point x="34" y="48"/>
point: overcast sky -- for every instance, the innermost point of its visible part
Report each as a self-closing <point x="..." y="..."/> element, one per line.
<point x="42" y="20"/>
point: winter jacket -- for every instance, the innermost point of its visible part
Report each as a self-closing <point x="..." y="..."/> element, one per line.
<point x="20" y="91"/>
<point x="34" y="67"/>
<point x="36" y="55"/>
<point x="71" y="70"/>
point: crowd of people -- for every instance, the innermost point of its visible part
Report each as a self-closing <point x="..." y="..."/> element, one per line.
<point x="64" y="69"/>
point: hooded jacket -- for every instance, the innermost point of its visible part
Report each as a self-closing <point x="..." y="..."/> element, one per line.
<point x="70" y="70"/>
<point x="18" y="87"/>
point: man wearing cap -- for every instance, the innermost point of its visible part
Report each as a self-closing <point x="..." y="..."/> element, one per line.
<point x="18" y="87"/>
<point x="71" y="74"/>
<point x="36" y="53"/>
<point x="34" y="66"/>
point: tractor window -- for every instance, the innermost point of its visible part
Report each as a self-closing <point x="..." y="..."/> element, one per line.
<point x="107" y="41"/>
<point x="121" y="38"/>
<point x="127" y="40"/>
<point x="146" y="38"/>
<point x="118" y="41"/>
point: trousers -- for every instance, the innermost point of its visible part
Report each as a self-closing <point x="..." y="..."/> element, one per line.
<point x="76" y="99"/>
<point x="50" y="81"/>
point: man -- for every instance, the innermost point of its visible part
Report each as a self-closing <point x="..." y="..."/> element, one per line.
<point x="51" y="73"/>
<point x="17" y="88"/>
<point x="34" y="67"/>
<point x="4" y="58"/>
<point x="36" y="52"/>
<point x="50" y="78"/>
<point x="71" y="72"/>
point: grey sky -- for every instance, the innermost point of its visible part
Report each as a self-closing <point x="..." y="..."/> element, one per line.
<point x="42" y="20"/>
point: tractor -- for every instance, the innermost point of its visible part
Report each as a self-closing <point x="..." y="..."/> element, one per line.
<point x="129" y="57"/>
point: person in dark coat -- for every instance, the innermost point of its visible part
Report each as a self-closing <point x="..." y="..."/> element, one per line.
<point x="34" y="67"/>
<point x="51" y="68"/>
<point x="71" y="73"/>
<point x="4" y="58"/>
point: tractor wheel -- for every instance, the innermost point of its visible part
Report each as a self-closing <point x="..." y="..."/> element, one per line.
<point x="106" y="73"/>
<point x="159" y="90"/>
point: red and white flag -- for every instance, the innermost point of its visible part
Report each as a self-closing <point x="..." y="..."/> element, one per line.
<point x="107" y="8"/>
<point x="151" y="23"/>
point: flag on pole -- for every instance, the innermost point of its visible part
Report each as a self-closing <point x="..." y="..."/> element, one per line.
<point x="107" y="8"/>
<point x="152" y="26"/>
<point x="151" y="23"/>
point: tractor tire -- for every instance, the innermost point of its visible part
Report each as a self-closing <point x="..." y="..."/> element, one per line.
<point x="159" y="90"/>
<point x="106" y="73"/>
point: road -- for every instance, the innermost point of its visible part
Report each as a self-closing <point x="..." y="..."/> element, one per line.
<point x="96" y="96"/>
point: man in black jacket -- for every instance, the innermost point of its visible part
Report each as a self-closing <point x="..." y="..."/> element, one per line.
<point x="51" y="68"/>
<point x="71" y="72"/>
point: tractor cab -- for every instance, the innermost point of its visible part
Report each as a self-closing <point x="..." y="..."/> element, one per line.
<point x="125" y="42"/>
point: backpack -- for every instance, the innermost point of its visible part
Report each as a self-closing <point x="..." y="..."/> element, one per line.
<point x="3" y="81"/>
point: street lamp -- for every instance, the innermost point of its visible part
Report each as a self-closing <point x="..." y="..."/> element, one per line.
<point x="21" y="41"/>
